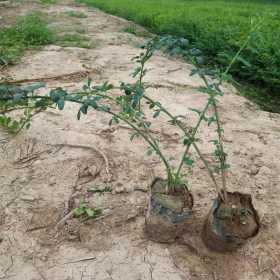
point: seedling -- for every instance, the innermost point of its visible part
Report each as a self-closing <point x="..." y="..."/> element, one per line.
<point x="88" y="212"/>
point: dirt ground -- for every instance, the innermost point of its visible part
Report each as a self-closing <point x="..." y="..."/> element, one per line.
<point x="46" y="170"/>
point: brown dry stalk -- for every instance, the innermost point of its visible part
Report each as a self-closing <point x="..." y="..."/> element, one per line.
<point x="43" y="79"/>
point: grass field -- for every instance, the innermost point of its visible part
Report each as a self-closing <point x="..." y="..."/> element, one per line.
<point x="218" y="28"/>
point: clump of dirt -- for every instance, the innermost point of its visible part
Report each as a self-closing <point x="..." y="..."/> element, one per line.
<point x="169" y="212"/>
<point x="229" y="224"/>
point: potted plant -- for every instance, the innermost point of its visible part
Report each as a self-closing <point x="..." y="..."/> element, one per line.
<point x="232" y="219"/>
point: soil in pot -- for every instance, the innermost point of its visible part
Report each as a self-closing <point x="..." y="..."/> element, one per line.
<point x="169" y="213"/>
<point x="229" y="225"/>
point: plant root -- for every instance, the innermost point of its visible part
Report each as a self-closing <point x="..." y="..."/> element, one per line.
<point x="101" y="154"/>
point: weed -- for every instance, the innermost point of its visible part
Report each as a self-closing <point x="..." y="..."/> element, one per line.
<point x="87" y="212"/>
<point x="29" y="32"/>
<point x="74" y="40"/>
<point x="76" y="14"/>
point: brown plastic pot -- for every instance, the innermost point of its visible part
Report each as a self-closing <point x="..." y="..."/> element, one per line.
<point x="169" y="214"/>
<point x="229" y="225"/>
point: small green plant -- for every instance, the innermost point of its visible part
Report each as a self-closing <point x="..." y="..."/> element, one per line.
<point x="85" y="211"/>
<point x="76" y="14"/>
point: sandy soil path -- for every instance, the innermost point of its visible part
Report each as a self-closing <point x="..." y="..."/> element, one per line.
<point x="47" y="169"/>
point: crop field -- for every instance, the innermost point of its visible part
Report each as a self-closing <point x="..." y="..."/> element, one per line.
<point x="218" y="28"/>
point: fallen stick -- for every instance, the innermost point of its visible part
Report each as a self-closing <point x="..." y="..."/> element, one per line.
<point x="64" y="219"/>
<point x="81" y="260"/>
<point x="42" y="79"/>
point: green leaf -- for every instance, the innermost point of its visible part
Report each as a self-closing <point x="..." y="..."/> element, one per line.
<point x="60" y="104"/>
<point x="188" y="161"/>
<point x="156" y="114"/>
<point x="226" y="166"/>
<point x="79" y="211"/>
<point x="92" y="103"/>
<point x="136" y="72"/>
<point x="90" y="212"/>
<point x="57" y="94"/>
<point x="79" y="115"/>
<point x="84" y="109"/>
<point x="114" y="120"/>
<point x="89" y="81"/>
<point x="244" y="61"/>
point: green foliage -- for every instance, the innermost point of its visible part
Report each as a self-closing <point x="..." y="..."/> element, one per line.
<point x="85" y="211"/>
<point x="30" y="31"/>
<point x="217" y="28"/>
<point x="76" y="14"/>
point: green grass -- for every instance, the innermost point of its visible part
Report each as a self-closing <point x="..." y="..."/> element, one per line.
<point x="133" y="29"/>
<point x="218" y="28"/>
<point x="29" y="32"/>
<point x="76" y="14"/>
<point x="74" y="40"/>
